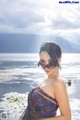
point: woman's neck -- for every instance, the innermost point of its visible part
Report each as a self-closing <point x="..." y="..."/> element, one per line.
<point x="53" y="78"/>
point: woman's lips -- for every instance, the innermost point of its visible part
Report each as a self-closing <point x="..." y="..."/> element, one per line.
<point x="47" y="71"/>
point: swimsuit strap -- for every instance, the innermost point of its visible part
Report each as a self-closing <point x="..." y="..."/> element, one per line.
<point x="45" y="94"/>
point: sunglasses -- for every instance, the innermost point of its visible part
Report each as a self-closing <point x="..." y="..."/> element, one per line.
<point x="49" y="65"/>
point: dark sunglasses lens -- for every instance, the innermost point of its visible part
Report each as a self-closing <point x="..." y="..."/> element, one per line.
<point x="49" y="65"/>
<point x="42" y="65"/>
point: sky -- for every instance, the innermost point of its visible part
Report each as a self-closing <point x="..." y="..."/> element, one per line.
<point x="40" y="17"/>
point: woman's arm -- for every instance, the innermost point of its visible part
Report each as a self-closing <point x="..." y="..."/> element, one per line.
<point x="63" y="102"/>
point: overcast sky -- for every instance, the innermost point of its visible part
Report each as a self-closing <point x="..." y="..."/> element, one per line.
<point x="40" y="17"/>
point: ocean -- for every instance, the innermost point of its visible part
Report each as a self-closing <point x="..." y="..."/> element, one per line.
<point x="19" y="73"/>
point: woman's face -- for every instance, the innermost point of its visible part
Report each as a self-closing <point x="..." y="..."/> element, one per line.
<point x="45" y="59"/>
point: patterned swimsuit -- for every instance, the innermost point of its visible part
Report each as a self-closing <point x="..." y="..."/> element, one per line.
<point x="41" y="105"/>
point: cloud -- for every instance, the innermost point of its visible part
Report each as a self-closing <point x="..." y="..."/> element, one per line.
<point x="39" y="17"/>
<point x="21" y="19"/>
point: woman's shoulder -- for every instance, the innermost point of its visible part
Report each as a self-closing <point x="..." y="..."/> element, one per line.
<point x="60" y="83"/>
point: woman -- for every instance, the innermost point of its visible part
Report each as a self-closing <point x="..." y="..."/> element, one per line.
<point x="44" y="100"/>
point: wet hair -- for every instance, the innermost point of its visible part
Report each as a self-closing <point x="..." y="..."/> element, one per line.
<point x="53" y="50"/>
